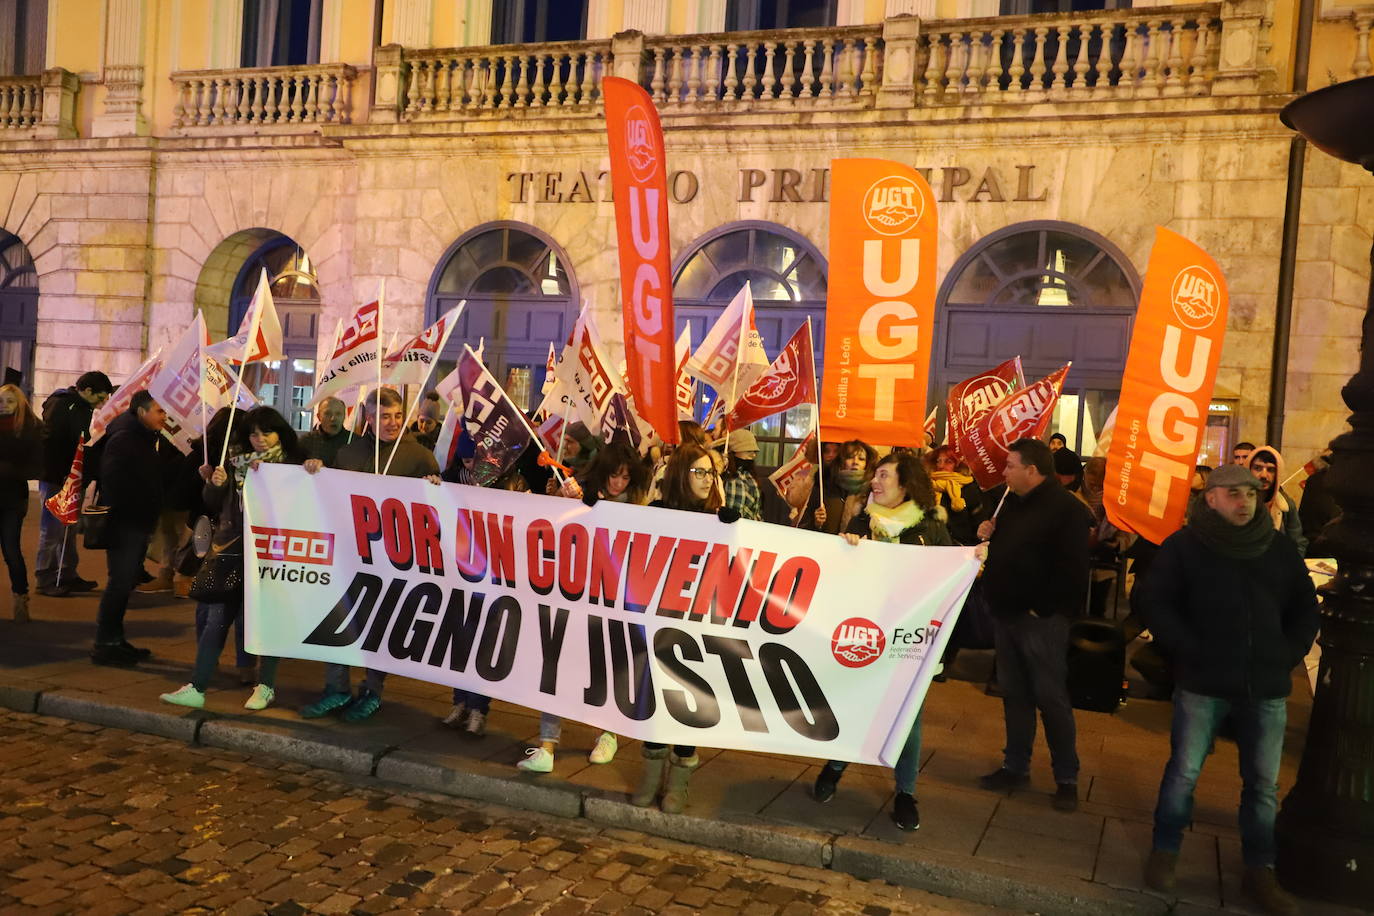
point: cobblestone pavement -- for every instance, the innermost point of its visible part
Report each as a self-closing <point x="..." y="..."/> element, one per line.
<point x="102" y="821"/>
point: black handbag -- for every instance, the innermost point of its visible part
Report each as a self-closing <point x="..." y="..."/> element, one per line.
<point x="94" y="524"/>
<point x="220" y="577"/>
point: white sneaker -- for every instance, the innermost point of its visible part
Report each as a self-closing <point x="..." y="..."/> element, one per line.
<point x="262" y="697"/>
<point x="185" y="696"/>
<point x="537" y="760"/>
<point x="455" y="716"/>
<point x="604" y="751"/>
<point x="477" y="724"/>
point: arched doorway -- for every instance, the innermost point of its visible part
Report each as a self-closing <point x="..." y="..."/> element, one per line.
<point x="787" y="277"/>
<point x="1051" y="292"/>
<point x="285" y="384"/>
<point x="18" y="312"/>
<point x="520" y="295"/>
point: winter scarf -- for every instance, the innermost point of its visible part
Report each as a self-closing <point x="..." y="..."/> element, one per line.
<point x="1239" y="542"/>
<point x="951" y="484"/>
<point x="849" y="482"/>
<point x="888" y="524"/>
<point x="243" y="461"/>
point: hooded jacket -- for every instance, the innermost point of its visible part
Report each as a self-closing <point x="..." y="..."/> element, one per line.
<point x="1281" y="507"/>
<point x="66" y="418"/>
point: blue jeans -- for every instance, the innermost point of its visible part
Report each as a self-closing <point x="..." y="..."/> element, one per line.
<point x="242" y="657"/>
<point x="11" y="525"/>
<point x="124" y="559"/>
<point x="51" y="535"/>
<point x="475" y="702"/>
<point x="212" y="640"/>
<point x="908" y="761"/>
<point x="1259" y="736"/>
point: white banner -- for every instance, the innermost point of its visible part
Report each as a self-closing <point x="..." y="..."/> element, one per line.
<point x="748" y="636"/>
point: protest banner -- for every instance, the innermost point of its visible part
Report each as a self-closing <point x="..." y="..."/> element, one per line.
<point x="970" y="400"/>
<point x="639" y="185"/>
<point x="1165" y="391"/>
<point x="1024" y="414"/>
<point x="119" y="401"/>
<point x="651" y="623"/>
<point x="354" y="350"/>
<point x="880" y="305"/>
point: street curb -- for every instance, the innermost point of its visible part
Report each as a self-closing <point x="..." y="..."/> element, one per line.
<point x="409" y="770"/>
<point x="236" y="736"/>
<point x="779" y="843"/>
<point x="90" y="708"/>
<point x="20" y="699"/>
<point x="991" y="884"/>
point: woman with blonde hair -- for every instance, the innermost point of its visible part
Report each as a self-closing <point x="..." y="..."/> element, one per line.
<point x="21" y="456"/>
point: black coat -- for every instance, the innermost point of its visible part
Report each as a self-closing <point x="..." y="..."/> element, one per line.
<point x="21" y="459"/>
<point x="1038" y="555"/>
<point x="1234" y="628"/>
<point x="66" y="419"/>
<point x="929" y="531"/>
<point x="133" y="472"/>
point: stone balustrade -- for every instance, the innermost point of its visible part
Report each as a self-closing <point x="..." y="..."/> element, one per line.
<point x="793" y="68"/>
<point x="262" y="97"/>
<point x="39" y="107"/>
<point x="1125" y="54"/>
<point x="1335" y="29"/>
<point x="447" y="83"/>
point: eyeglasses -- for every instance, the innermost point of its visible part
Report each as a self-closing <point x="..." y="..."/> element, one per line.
<point x="702" y="473"/>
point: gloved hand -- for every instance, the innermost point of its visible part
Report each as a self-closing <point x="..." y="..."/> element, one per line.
<point x="589" y="498"/>
<point x="727" y="515"/>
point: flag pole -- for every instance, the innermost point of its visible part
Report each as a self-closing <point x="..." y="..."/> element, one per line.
<point x="376" y="414"/>
<point x="204" y="418"/>
<point x="329" y="356"/>
<point x="816" y="424"/>
<point x="253" y="323"/>
<point x="434" y="364"/>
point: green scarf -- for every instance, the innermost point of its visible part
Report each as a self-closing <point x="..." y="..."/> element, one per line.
<point x="1243" y="542"/>
<point x="887" y="525"/>
<point x="849" y="482"/>
<point x="241" y="462"/>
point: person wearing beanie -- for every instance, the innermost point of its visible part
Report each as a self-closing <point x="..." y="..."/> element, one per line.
<point x="1229" y="599"/>
<point x="741" y="490"/>
<point x="1266" y="463"/>
<point x="1068" y="467"/>
<point x="428" y="419"/>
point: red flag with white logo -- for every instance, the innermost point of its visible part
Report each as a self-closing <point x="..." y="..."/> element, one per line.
<point x="119" y="401"/>
<point x="639" y="183"/>
<point x="795" y="479"/>
<point x="65" y="504"/>
<point x="972" y="398"/>
<point x="1024" y="414"/>
<point x="789" y="382"/>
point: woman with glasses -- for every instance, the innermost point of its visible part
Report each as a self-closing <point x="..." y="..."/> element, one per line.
<point x="690" y="483"/>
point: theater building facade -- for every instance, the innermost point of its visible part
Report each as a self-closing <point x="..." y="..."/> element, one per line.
<point x="156" y="155"/>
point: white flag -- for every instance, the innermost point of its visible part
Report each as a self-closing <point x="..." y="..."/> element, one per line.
<point x="719" y="361"/>
<point x="261" y="324"/>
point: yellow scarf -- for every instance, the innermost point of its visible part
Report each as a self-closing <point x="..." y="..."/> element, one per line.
<point x="888" y="524"/>
<point x="952" y="484"/>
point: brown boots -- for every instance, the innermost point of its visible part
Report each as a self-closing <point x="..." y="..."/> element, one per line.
<point x="1260" y="885"/>
<point x="674" y="788"/>
<point x="21" y="608"/>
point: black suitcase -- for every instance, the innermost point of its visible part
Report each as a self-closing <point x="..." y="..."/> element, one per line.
<point x="1097" y="665"/>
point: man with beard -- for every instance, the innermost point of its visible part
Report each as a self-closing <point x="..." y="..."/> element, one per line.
<point x="1266" y="463"/>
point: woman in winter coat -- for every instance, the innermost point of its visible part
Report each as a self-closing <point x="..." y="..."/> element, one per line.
<point x="846" y="487"/>
<point x="260" y="435"/>
<point x="691" y="484"/>
<point x="21" y="460"/>
<point x="901" y="509"/>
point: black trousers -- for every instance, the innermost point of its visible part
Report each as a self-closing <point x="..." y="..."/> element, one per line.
<point x="1033" y="670"/>
<point x="124" y="559"/>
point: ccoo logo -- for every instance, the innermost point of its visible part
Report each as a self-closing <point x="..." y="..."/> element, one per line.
<point x="640" y="149"/>
<point x="893" y="205"/>
<point x="857" y="642"/>
<point x="286" y="545"/>
<point x="1195" y="297"/>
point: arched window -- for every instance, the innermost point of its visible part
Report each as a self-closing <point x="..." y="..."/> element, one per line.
<point x="787" y="277"/>
<point x="520" y="296"/>
<point x="286" y="384"/>
<point x="18" y="312"/>
<point x="1051" y="293"/>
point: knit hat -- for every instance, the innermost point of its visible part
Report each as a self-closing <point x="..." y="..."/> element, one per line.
<point x="1232" y="475"/>
<point x="432" y="410"/>
<point x="742" y="441"/>
<point x="1067" y="462"/>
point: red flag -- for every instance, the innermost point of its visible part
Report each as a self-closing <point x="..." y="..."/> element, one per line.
<point x="789" y="382"/>
<point x="119" y="401"/>
<point x="970" y="400"/>
<point x="639" y="184"/>
<point x="796" y="477"/>
<point x="65" y="504"/>
<point x="1024" y="414"/>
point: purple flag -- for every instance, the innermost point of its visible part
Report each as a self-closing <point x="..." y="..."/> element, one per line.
<point x="493" y="421"/>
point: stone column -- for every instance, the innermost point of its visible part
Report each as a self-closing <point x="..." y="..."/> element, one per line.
<point x="1244" y="66"/>
<point x="123" y="77"/>
<point x="388" y="72"/>
<point x="413" y="26"/>
<point x="59" y="104"/>
<point x="627" y="50"/>
<point x="900" y="37"/>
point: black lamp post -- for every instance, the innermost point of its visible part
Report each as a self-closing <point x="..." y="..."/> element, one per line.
<point x="1326" y="824"/>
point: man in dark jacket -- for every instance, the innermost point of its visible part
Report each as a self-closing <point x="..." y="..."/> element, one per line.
<point x="1036" y="581"/>
<point x="132" y="478"/>
<point x="1230" y="600"/>
<point x="66" y="420"/>
<point x="328" y="436"/>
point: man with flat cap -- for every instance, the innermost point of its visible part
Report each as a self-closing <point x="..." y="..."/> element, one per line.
<point x="1229" y="599"/>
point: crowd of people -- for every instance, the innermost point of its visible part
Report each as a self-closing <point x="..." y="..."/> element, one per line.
<point x="1227" y="598"/>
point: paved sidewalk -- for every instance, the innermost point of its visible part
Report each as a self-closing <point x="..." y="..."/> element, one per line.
<point x="1005" y="850"/>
